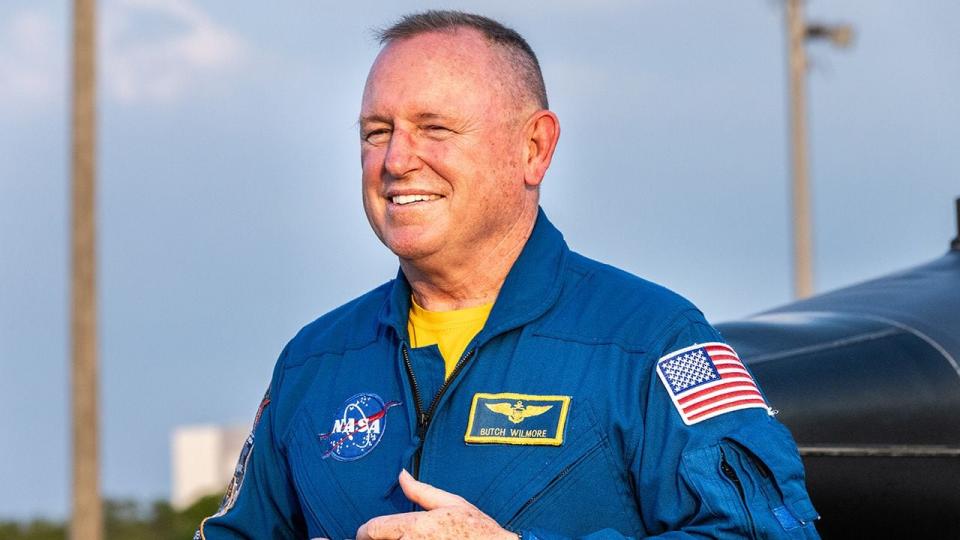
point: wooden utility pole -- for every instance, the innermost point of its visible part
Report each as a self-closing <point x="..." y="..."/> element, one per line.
<point x="802" y="235"/>
<point x="798" y="32"/>
<point x="87" y="512"/>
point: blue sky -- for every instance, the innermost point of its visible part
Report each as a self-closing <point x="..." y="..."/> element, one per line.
<point x="229" y="203"/>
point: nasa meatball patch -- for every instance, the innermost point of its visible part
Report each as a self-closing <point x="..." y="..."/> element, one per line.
<point x="358" y="426"/>
<point x="708" y="380"/>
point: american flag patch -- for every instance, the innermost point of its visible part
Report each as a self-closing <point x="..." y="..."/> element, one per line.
<point x="707" y="380"/>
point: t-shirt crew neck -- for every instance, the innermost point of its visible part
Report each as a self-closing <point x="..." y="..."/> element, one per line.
<point x="451" y="331"/>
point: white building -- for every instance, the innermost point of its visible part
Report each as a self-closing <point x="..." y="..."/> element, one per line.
<point x="204" y="458"/>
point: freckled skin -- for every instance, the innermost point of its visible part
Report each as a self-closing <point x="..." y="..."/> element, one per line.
<point x="437" y="118"/>
<point x="473" y="166"/>
<point x="445" y="517"/>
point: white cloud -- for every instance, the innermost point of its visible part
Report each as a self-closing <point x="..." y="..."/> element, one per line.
<point x="32" y="60"/>
<point x="150" y="51"/>
<point x="160" y="50"/>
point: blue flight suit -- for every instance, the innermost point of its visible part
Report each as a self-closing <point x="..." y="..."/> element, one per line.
<point x="555" y="423"/>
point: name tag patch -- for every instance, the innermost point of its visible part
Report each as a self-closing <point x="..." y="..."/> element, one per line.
<point x="509" y="418"/>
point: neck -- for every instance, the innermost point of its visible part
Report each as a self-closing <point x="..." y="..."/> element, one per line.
<point x="472" y="279"/>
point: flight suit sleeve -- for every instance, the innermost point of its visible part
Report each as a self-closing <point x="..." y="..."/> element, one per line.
<point x="260" y="501"/>
<point x="724" y="468"/>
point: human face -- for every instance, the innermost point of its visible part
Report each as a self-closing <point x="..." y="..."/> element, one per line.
<point x="441" y="149"/>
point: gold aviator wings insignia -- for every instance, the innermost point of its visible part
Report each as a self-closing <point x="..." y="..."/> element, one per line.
<point x="518" y="412"/>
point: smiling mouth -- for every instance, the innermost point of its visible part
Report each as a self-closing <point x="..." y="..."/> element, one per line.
<point x="409" y="199"/>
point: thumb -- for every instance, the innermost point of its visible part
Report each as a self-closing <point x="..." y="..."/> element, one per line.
<point x="425" y="495"/>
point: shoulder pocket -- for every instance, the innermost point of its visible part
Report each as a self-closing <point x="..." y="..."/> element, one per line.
<point x="756" y="472"/>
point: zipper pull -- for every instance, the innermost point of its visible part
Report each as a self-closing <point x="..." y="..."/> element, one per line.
<point x="728" y="470"/>
<point x="422" y="424"/>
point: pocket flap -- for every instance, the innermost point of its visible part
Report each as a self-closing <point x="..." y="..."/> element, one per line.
<point x="777" y="457"/>
<point x="537" y="467"/>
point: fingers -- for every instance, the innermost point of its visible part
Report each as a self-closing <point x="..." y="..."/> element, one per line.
<point x="447" y="517"/>
<point x="427" y="496"/>
<point x="386" y="527"/>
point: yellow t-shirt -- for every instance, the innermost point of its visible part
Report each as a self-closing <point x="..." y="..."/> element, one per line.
<point x="451" y="331"/>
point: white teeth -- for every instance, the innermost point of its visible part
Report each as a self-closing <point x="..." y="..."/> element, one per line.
<point x="407" y="199"/>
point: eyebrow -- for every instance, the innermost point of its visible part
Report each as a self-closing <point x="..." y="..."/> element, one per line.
<point x="430" y="116"/>
<point x="419" y="117"/>
<point x="373" y="118"/>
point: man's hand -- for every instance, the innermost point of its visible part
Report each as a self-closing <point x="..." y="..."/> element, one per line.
<point x="445" y="515"/>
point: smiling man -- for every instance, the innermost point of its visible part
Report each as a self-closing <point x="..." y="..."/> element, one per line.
<point x="528" y="390"/>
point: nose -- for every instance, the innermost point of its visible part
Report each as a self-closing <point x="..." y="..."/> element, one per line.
<point x="401" y="158"/>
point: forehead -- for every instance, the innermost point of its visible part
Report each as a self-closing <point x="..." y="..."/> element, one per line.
<point x="458" y="68"/>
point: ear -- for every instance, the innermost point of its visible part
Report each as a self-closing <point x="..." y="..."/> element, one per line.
<point x="542" y="132"/>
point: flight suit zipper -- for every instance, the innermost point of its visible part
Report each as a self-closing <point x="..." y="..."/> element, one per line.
<point x="425" y="416"/>
<point x="731" y="475"/>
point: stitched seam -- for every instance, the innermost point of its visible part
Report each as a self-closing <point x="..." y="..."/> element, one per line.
<point x="584" y="340"/>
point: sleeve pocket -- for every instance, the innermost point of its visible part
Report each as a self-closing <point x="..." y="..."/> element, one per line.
<point x="753" y="481"/>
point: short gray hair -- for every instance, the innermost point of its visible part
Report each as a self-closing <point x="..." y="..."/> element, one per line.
<point x="518" y="52"/>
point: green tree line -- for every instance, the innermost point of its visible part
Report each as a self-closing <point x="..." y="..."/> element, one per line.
<point x="126" y="520"/>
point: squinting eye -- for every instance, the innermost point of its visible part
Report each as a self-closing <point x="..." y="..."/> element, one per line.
<point x="377" y="136"/>
<point x="436" y="131"/>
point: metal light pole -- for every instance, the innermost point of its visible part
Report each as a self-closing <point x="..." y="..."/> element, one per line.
<point x="87" y="513"/>
<point x="797" y="33"/>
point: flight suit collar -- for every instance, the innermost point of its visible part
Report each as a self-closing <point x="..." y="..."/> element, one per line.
<point x="531" y="288"/>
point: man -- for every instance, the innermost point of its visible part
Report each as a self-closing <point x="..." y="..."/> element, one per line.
<point x="527" y="390"/>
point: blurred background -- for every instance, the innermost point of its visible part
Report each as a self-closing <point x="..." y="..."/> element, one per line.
<point x="228" y="205"/>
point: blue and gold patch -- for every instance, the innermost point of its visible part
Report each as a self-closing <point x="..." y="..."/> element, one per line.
<point x="509" y="418"/>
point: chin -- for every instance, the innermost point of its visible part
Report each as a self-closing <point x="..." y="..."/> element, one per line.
<point x="411" y="249"/>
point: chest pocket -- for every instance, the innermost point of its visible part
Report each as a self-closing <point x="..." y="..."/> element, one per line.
<point x="325" y="502"/>
<point x="338" y="496"/>
<point x="577" y="490"/>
